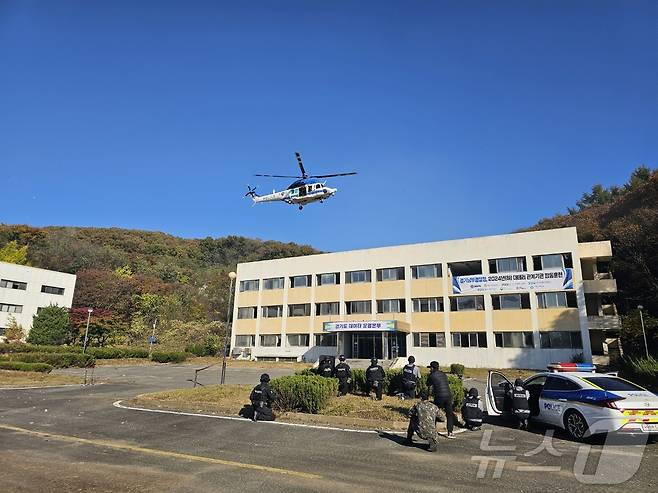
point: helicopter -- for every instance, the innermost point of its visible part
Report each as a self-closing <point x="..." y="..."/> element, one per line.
<point x="303" y="191"/>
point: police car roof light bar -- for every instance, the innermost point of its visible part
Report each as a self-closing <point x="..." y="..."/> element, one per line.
<point x="571" y="367"/>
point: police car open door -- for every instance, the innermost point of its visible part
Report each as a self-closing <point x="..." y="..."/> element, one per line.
<point x="498" y="401"/>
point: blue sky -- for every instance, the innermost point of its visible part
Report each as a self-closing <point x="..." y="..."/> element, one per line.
<point x="462" y="118"/>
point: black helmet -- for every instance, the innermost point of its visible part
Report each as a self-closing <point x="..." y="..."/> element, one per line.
<point x="341" y="357"/>
<point x="518" y="382"/>
<point x="265" y="378"/>
<point x="373" y="361"/>
<point x="411" y="359"/>
<point x="473" y="392"/>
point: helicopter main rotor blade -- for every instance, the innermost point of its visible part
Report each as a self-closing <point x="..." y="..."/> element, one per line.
<point x="301" y="166"/>
<point x="335" y="174"/>
<point x="280" y="176"/>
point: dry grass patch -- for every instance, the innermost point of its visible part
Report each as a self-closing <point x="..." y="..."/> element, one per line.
<point x="9" y="379"/>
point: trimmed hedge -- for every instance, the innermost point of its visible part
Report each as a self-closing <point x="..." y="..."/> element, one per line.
<point x="168" y="357"/>
<point x="22" y="366"/>
<point x="58" y="360"/>
<point x="457" y="369"/>
<point x="118" y="352"/>
<point x="304" y="393"/>
<point x="19" y="347"/>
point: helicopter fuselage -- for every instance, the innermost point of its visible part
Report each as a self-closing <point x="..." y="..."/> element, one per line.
<point x="300" y="192"/>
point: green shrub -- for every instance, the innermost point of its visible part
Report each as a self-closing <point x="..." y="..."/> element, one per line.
<point x="58" y="360"/>
<point x="643" y="371"/>
<point x="50" y="326"/>
<point x="118" y="352"/>
<point x="22" y="366"/>
<point x="458" y="391"/>
<point x="457" y="369"/>
<point x="197" y="349"/>
<point x="33" y="348"/>
<point x="307" y="371"/>
<point x="168" y="356"/>
<point x="304" y="393"/>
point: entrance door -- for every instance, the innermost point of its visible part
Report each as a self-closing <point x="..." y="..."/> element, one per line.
<point x="367" y="345"/>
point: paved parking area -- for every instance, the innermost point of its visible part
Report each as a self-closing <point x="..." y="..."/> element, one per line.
<point x="74" y="439"/>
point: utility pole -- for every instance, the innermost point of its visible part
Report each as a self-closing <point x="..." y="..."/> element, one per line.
<point x="644" y="334"/>
<point x="84" y="345"/>
<point x="227" y="336"/>
<point x="152" y="338"/>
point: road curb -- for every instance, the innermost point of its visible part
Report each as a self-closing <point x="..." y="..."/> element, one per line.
<point x="118" y="404"/>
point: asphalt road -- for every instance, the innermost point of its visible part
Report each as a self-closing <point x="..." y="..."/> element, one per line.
<point x="74" y="439"/>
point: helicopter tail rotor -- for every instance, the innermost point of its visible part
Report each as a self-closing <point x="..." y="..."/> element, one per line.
<point x="251" y="192"/>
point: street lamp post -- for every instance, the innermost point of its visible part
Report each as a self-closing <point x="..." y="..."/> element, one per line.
<point x="232" y="275"/>
<point x="644" y="334"/>
<point x="84" y="345"/>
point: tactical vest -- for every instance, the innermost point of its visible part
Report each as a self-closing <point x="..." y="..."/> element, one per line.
<point x="341" y="371"/>
<point x="471" y="410"/>
<point x="408" y="373"/>
<point x="520" y="400"/>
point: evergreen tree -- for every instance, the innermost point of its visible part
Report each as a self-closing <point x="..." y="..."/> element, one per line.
<point x="50" y="326"/>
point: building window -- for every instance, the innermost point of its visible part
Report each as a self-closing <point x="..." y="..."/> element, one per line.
<point x="390" y="306"/>
<point x="247" y="312"/>
<point x="328" y="308"/>
<point x="274" y="311"/>
<point x="469" y="339"/>
<point x="300" y="281"/>
<point x="327" y="279"/>
<point x="390" y="274"/>
<point x="249" y="285"/>
<point x="429" y="339"/>
<point x="561" y="340"/>
<point x="270" y="340"/>
<point x="552" y="261"/>
<point x="509" y="264"/>
<point x="299" y="310"/>
<point x="245" y="341"/>
<point x="516" y="301"/>
<point x="298" y="340"/>
<point x="6" y="283"/>
<point x="6" y="307"/>
<point x="358" y="307"/>
<point x="514" y="339"/>
<point x="557" y="299"/>
<point x="427" y="304"/>
<point x="52" y="290"/>
<point x="466" y="268"/>
<point x="357" y="276"/>
<point x="466" y="303"/>
<point x="326" y="340"/>
<point x="426" y="271"/>
<point x="273" y="283"/>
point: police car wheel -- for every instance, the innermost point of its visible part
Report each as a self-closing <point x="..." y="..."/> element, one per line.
<point x="575" y="424"/>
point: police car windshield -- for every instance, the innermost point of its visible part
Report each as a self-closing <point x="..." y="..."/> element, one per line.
<point x="613" y="384"/>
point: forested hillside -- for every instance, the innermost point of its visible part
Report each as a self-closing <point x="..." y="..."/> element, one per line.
<point x="627" y="216"/>
<point x="132" y="277"/>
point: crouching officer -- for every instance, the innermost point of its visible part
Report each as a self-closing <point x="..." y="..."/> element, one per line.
<point x="422" y="421"/>
<point x="410" y="377"/>
<point x="343" y="373"/>
<point x="520" y="405"/>
<point x="472" y="410"/>
<point x="261" y="400"/>
<point x="375" y="379"/>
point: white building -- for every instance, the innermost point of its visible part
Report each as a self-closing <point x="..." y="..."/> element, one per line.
<point x="23" y="290"/>
<point x="518" y="300"/>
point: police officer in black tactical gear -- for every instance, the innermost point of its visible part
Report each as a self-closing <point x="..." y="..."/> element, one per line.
<point x="472" y="410"/>
<point x="437" y="382"/>
<point x="520" y="405"/>
<point x="375" y="379"/>
<point x="325" y="369"/>
<point x="261" y="400"/>
<point x="410" y="377"/>
<point x="343" y="373"/>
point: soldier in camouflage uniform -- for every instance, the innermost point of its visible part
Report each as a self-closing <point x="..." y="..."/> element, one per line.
<point x="423" y="418"/>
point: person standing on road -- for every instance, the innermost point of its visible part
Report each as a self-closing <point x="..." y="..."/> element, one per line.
<point x="261" y="400"/>
<point x="423" y="422"/>
<point x="472" y="410"/>
<point x="437" y="381"/>
<point x="375" y="378"/>
<point x="343" y="373"/>
<point x="410" y="378"/>
<point x="520" y="403"/>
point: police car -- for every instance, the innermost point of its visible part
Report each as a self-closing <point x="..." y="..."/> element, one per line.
<point x="573" y="397"/>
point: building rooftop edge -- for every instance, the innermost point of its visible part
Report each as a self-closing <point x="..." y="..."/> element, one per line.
<point x="36" y="268"/>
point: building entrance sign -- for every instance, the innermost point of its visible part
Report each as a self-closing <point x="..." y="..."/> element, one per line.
<point x="360" y="326"/>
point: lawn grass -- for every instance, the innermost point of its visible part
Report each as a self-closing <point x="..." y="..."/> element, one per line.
<point x="9" y="379"/>
<point x="352" y="411"/>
